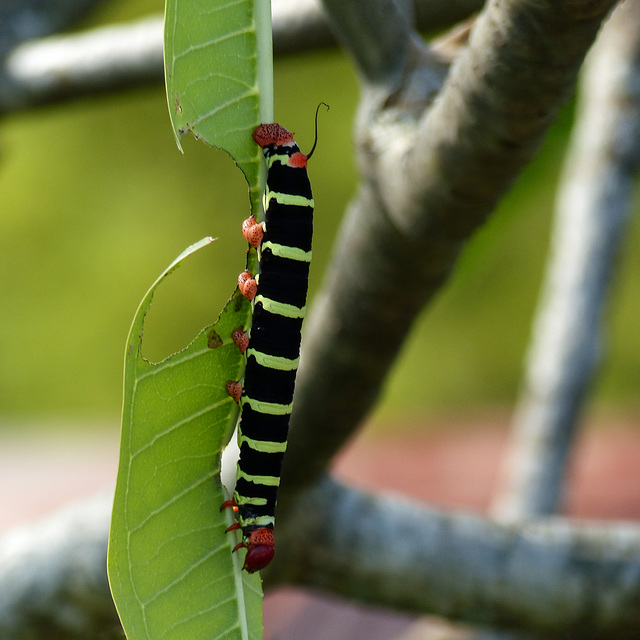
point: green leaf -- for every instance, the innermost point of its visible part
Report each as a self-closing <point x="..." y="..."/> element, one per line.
<point x="171" y="570"/>
<point x="219" y="76"/>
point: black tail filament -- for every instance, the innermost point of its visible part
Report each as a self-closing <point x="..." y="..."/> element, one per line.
<point x="315" y="142"/>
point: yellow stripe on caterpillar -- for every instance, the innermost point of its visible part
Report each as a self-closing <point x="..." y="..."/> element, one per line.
<point x="264" y="446"/>
<point x="282" y="251"/>
<point x="260" y="521"/>
<point x="268" y="408"/>
<point x="280" y="363"/>
<point x="280" y="308"/>
<point x="256" y="502"/>
<point x="288" y="199"/>
<point x="268" y="481"/>
<point x="282" y="158"/>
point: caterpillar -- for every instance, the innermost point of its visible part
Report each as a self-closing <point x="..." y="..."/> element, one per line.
<point x="272" y="346"/>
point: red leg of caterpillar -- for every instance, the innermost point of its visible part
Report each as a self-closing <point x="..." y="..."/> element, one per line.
<point x="234" y="389"/>
<point x="252" y="231"/>
<point x="240" y="338"/>
<point x="229" y="504"/>
<point x="247" y="285"/>
<point x="260" y="544"/>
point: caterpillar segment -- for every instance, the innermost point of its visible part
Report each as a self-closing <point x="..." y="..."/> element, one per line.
<point x="279" y="294"/>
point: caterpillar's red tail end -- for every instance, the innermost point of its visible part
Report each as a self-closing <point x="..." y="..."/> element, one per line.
<point x="260" y="546"/>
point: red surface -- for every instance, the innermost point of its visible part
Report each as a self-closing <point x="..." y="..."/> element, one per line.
<point x="458" y="464"/>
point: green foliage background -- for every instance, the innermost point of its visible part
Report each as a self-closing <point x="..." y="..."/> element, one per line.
<point x="96" y="200"/>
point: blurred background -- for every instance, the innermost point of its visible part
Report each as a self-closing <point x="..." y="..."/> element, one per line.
<point x="95" y="200"/>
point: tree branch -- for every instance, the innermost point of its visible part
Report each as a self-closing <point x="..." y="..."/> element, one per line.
<point x="379" y="53"/>
<point x="593" y="205"/>
<point x="431" y="175"/>
<point x="53" y="576"/>
<point x="547" y="576"/>
<point x="61" y="67"/>
<point x="117" y="57"/>
<point x="22" y="20"/>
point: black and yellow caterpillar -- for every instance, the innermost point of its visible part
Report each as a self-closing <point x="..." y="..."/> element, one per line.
<point x="272" y="347"/>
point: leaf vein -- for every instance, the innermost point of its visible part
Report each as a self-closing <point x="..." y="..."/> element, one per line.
<point x="212" y="42"/>
<point x="178" y="425"/>
<point x="226" y="105"/>
<point x="172" y="500"/>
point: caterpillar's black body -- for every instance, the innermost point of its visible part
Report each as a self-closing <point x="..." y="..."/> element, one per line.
<point x="279" y="293"/>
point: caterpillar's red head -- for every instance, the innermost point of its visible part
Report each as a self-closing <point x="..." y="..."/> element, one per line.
<point x="271" y="134"/>
<point x="260" y="549"/>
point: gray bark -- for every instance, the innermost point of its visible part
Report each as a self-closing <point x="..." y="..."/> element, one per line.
<point x="53" y="576"/>
<point x="22" y="20"/>
<point x="60" y="67"/>
<point x="35" y="71"/>
<point x="593" y="205"/>
<point x="548" y="576"/>
<point x="594" y="201"/>
<point x="432" y="171"/>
